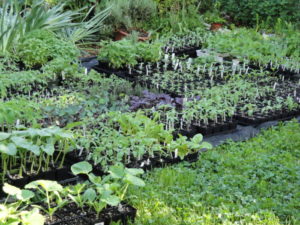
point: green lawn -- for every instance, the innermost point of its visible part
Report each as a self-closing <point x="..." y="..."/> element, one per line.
<point x="253" y="182"/>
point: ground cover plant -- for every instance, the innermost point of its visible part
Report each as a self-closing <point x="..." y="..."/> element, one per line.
<point x="254" y="182"/>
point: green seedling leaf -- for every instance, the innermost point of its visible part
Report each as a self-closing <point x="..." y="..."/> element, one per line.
<point x="134" y="172"/>
<point x="131" y="179"/>
<point x="197" y="138"/>
<point x="42" y="133"/>
<point x="11" y="190"/>
<point x="89" y="195"/>
<point x="72" y="125"/>
<point x="110" y="199"/>
<point x="23" y="143"/>
<point x="32" y="218"/>
<point x="47" y="185"/>
<point x="81" y="168"/>
<point x="49" y="147"/>
<point x="9" y="149"/>
<point x="25" y="195"/>
<point x="64" y="134"/>
<point x="206" y="145"/>
<point x="4" y="136"/>
<point x="94" y="179"/>
<point x="22" y="195"/>
<point x="117" y="172"/>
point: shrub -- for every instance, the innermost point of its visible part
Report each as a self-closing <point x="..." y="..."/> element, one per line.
<point x="245" y="11"/>
<point x="165" y="6"/>
<point x="128" y="14"/>
<point x="41" y="46"/>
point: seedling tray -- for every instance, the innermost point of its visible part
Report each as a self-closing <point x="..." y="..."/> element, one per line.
<point x="54" y="174"/>
<point x="71" y="215"/>
<point x="279" y="71"/>
<point x="257" y="119"/>
<point x="148" y="163"/>
<point x="189" y="51"/>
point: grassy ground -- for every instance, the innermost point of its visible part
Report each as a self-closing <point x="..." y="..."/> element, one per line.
<point x="253" y="182"/>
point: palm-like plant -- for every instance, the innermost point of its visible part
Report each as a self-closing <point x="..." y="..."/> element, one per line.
<point x="16" y="22"/>
<point x="9" y="26"/>
<point x="86" y="29"/>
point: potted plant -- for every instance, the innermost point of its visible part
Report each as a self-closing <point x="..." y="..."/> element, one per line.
<point x="215" y="20"/>
<point x="126" y="17"/>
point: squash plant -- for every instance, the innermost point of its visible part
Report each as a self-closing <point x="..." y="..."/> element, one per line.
<point x="33" y="150"/>
<point x="110" y="190"/>
<point x="15" y="210"/>
<point x="97" y="193"/>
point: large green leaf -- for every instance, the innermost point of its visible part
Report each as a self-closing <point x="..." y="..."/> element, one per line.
<point x="47" y="185"/>
<point x="206" y="145"/>
<point x="95" y="179"/>
<point x="117" y="172"/>
<point x="39" y="132"/>
<point x="11" y="190"/>
<point x="81" y="168"/>
<point x="32" y="217"/>
<point x="23" y="143"/>
<point x="89" y="195"/>
<point x="134" y="180"/>
<point x="22" y="195"/>
<point x="134" y="172"/>
<point x="9" y="149"/>
<point x="4" y="136"/>
<point x="110" y="199"/>
<point x="49" y="147"/>
<point x="197" y="138"/>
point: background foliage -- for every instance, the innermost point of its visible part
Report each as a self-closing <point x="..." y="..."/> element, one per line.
<point x="244" y="11"/>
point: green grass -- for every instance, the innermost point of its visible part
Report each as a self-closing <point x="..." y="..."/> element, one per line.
<point x="253" y="182"/>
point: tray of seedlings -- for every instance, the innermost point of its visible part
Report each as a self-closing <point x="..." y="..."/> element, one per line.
<point x="289" y="69"/>
<point x="279" y="103"/>
<point x="220" y="107"/>
<point x="179" y="114"/>
<point x="180" y="76"/>
<point x="261" y="51"/>
<point x="134" y="140"/>
<point x="120" y="57"/>
<point x="184" y="78"/>
<point x="95" y="200"/>
<point x="186" y="44"/>
<point x="33" y="154"/>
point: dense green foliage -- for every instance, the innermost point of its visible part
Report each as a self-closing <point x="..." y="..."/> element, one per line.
<point x="247" y="12"/>
<point x="280" y="49"/>
<point x="128" y="52"/>
<point x="165" y="6"/>
<point x="128" y="14"/>
<point x="41" y="46"/>
<point x="255" y="182"/>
